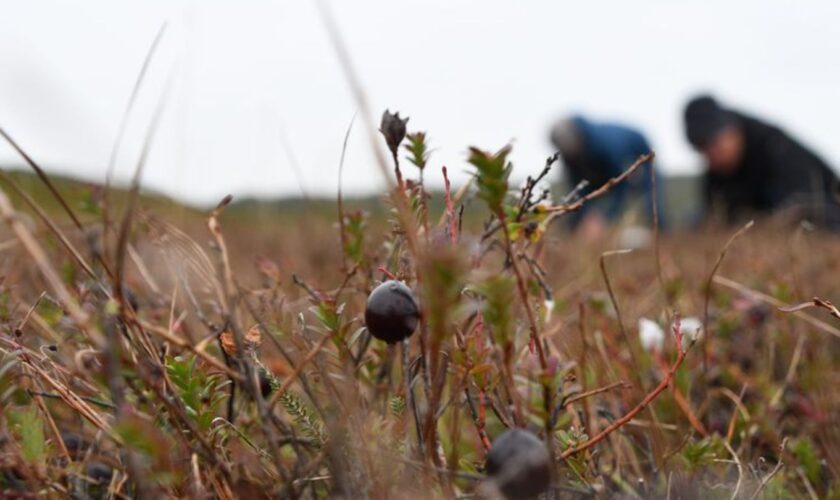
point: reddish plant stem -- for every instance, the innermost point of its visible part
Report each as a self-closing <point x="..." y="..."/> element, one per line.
<point x="342" y="229"/>
<point x="535" y="337"/>
<point x="298" y="370"/>
<point x="708" y="292"/>
<point x="523" y="293"/>
<point x="583" y="395"/>
<point x="617" y="424"/>
<point x="450" y="210"/>
<point x="478" y="418"/>
<point x="681" y="400"/>
<point x="386" y="272"/>
<point x="398" y="172"/>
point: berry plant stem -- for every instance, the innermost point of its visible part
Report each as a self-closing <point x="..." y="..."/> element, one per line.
<point x="618" y="423"/>
<point x="410" y="405"/>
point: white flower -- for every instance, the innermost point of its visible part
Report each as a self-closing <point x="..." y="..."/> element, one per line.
<point x="636" y="237"/>
<point x="549" y="308"/>
<point x="692" y="328"/>
<point x="651" y="335"/>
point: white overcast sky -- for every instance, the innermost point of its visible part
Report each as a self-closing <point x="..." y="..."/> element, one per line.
<point x="250" y="77"/>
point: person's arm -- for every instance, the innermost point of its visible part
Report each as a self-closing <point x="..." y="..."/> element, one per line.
<point x="640" y="184"/>
<point x="573" y="179"/>
<point x="796" y="174"/>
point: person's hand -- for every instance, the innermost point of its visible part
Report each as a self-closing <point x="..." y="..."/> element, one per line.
<point x="593" y="227"/>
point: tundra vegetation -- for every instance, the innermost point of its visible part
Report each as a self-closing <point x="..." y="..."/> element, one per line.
<point x="454" y="345"/>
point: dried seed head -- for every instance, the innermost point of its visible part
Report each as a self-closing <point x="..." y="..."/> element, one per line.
<point x="519" y="464"/>
<point x="393" y="128"/>
<point x="253" y="337"/>
<point x="392" y="312"/>
<point x="252" y="340"/>
<point x="228" y="343"/>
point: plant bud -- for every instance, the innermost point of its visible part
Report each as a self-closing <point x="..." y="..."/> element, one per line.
<point x="393" y="128"/>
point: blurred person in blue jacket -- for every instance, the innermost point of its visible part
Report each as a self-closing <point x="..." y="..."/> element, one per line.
<point x="596" y="152"/>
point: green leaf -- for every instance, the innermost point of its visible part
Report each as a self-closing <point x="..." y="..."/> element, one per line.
<point x="498" y="295"/>
<point x="201" y="393"/>
<point x="807" y="457"/>
<point x="50" y="311"/>
<point x="134" y="437"/>
<point x="303" y="416"/>
<point x="29" y="427"/>
<point x="696" y="454"/>
<point x="5" y="312"/>
<point x="327" y="315"/>
<point x="68" y="273"/>
<point x="397" y="405"/>
<point x="418" y="151"/>
<point x="492" y="173"/>
<point x="355" y="225"/>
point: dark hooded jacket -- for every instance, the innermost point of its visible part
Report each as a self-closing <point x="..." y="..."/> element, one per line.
<point x="776" y="172"/>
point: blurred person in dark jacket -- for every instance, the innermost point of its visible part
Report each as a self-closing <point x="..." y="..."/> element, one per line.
<point x="596" y="152"/>
<point x="755" y="168"/>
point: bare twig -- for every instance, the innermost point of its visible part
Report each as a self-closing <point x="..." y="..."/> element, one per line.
<point x="341" y="229"/>
<point x="577" y="205"/>
<point x="43" y="176"/>
<point x="815" y="322"/>
<point x="614" y="302"/>
<point x="50" y="275"/>
<point x="297" y="371"/>
<point x="112" y="160"/>
<point x="450" y="209"/>
<point x="708" y="290"/>
<point x="815" y="302"/>
<point x="740" y="469"/>
<point x="50" y="224"/>
<point x="583" y="395"/>
<point x="766" y="479"/>
<point x="657" y="243"/>
<point x="618" y="423"/>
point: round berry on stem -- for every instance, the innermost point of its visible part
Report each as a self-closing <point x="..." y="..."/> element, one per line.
<point x="392" y="313"/>
<point x="519" y="464"/>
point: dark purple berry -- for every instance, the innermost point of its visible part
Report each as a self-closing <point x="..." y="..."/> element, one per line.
<point x="131" y="298"/>
<point x="74" y="443"/>
<point x="519" y="464"/>
<point x="265" y="384"/>
<point x="99" y="472"/>
<point x="392" y="312"/>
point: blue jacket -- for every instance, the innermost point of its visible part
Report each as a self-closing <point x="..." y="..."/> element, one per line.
<point x="608" y="149"/>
